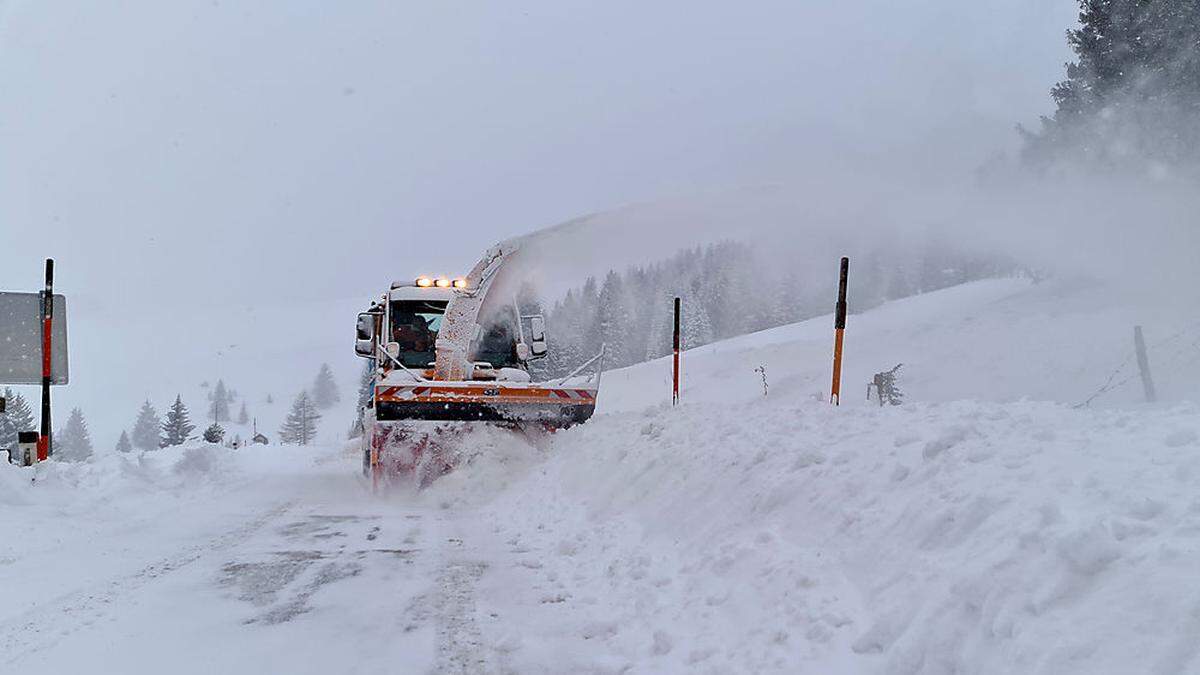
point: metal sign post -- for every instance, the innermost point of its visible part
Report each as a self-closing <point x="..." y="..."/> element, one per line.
<point x="839" y="329"/>
<point x="45" y="449"/>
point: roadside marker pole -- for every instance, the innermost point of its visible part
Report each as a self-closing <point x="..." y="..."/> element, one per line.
<point x="1143" y="361"/>
<point x="675" y="357"/>
<point x="44" y="447"/>
<point x="839" y="329"/>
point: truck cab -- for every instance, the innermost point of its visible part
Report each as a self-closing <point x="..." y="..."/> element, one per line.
<point x="406" y="321"/>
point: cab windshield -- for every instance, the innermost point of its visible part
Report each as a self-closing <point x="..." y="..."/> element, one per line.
<point x="415" y="325"/>
<point x="498" y="346"/>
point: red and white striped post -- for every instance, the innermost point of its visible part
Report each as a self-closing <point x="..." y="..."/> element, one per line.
<point x="675" y="358"/>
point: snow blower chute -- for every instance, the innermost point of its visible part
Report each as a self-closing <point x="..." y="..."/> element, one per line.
<point x="453" y="355"/>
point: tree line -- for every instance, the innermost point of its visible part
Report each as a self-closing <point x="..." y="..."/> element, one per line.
<point x="727" y="289"/>
<point x="150" y="431"/>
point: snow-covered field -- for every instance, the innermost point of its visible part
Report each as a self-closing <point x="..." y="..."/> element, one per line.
<point x="986" y="526"/>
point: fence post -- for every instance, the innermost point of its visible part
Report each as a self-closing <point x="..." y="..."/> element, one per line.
<point x="1143" y="362"/>
<point x="675" y="358"/>
<point x="839" y="329"/>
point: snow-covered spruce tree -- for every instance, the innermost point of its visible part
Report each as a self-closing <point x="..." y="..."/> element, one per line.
<point x="638" y="294"/>
<point x="219" y="398"/>
<point x="301" y="424"/>
<point x="659" y="341"/>
<point x="366" y="383"/>
<point x="17" y="417"/>
<point x="243" y="416"/>
<point x="566" y="335"/>
<point x="8" y="434"/>
<point x="123" y="443"/>
<point x="611" y="316"/>
<point x="215" y="433"/>
<point x="325" y="390"/>
<point x="146" y="429"/>
<point x="73" y="443"/>
<point x="696" y="327"/>
<point x="19" y="412"/>
<point x="589" y="305"/>
<point x="178" y="427"/>
<point x="1131" y="95"/>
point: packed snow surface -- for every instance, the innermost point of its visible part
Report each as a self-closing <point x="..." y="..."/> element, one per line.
<point x="985" y="526"/>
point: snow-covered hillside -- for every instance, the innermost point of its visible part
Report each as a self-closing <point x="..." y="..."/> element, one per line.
<point x="984" y="526"/>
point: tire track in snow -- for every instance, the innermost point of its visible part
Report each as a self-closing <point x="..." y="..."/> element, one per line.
<point x="45" y="625"/>
<point x="459" y="640"/>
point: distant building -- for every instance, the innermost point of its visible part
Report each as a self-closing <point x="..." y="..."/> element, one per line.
<point x="259" y="439"/>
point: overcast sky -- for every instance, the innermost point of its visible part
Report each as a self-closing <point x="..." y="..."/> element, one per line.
<point x="274" y="153"/>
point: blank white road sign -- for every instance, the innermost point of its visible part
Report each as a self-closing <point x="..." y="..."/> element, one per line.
<point x="21" y="339"/>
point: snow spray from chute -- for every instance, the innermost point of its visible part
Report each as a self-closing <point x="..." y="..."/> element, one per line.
<point x="839" y="330"/>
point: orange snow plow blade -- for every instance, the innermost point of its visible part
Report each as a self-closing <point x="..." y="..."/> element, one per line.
<point x="553" y="406"/>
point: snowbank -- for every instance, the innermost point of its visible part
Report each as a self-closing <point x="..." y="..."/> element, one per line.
<point x="743" y="533"/>
<point x="929" y="538"/>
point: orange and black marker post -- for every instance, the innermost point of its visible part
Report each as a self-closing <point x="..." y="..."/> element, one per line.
<point x="675" y="357"/>
<point x="839" y="330"/>
<point x="44" y="449"/>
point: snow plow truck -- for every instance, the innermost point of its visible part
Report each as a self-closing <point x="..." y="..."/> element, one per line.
<point x="452" y="357"/>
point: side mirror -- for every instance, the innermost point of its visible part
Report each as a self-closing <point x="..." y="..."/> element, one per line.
<point x="364" y="335"/>
<point x="365" y="330"/>
<point x="537" y="336"/>
<point x="364" y="348"/>
<point x="392" y="349"/>
<point x="522" y="351"/>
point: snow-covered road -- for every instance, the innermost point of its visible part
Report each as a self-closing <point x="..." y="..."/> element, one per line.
<point x="213" y="567"/>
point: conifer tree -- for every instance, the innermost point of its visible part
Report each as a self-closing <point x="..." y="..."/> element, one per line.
<point x="243" y="415"/>
<point x="123" y="443"/>
<point x="325" y="390"/>
<point x="662" y="326"/>
<point x="219" y="400"/>
<point x="565" y="334"/>
<point x="146" y="429"/>
<point x="215" y="433"/>
<point x="1133" y="90"/>
<point x="589" y="305"/>
<point x="73" y="443"/>
<point x="610" y="323"/>
<point x="177" y="428"/>
<point x="366" y="383"/>
<point x="18" y="416"/>
<point x="301" y="424"/>
<point x="697" y="329"/>
<point x="8" y="433"/>
<point x="18" y="411"/>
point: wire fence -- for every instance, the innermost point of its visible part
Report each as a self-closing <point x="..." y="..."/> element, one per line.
<point x="1119" y="377"/>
